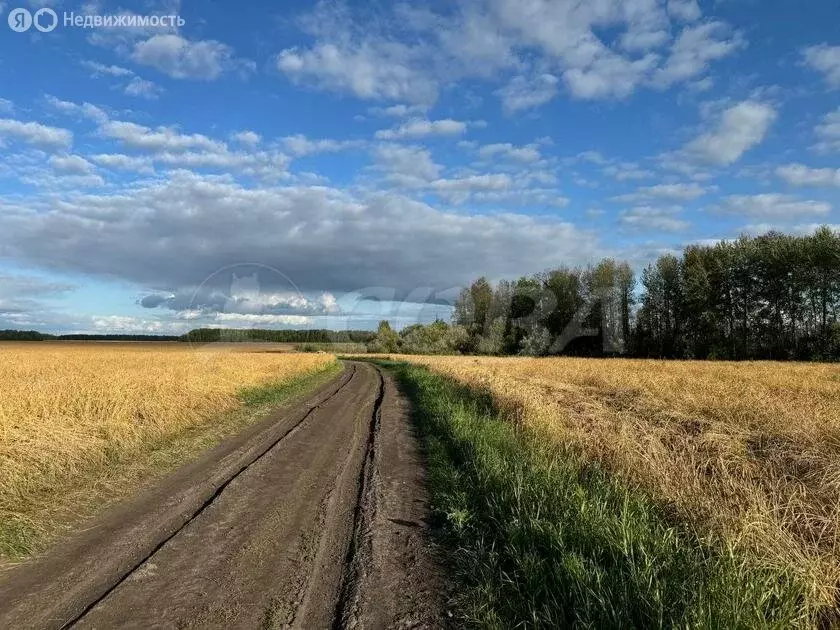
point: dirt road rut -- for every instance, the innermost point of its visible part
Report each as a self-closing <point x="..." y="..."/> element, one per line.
<point x="314" y="518"/>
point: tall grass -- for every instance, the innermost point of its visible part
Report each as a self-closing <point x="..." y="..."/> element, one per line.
<point x="743" y="452"/>
<point x="74" y="416"/>
<point x="536" y="535"/>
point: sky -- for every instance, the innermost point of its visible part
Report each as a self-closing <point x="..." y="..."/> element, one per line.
<point x="309" y="165"/>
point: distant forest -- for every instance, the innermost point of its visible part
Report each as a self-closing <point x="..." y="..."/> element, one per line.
<point x="775" y="296"/>
<point x="208" y="335"/>
<point x="34" y="335"/>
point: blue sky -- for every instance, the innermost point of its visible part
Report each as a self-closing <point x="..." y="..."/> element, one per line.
<point x="306" y="165"/>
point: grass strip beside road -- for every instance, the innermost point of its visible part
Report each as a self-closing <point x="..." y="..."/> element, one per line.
<point x="49" y="514"/>
<point x="537" y="536"/>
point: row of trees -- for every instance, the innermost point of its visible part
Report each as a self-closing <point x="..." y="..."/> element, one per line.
<point x="572" y="310"/>
<point x="34" y="335"/>
<point x="770" y="297"/>
<point x="317" y="335"/>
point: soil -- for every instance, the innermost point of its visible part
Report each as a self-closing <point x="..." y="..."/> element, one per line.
<point x="316" y="517"/>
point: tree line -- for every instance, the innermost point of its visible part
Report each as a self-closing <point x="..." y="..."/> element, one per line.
<point x="775" y="296"/>
<point x="211" y="335"/>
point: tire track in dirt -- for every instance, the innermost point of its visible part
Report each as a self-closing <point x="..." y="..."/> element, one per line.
<point x="283" y="535"/>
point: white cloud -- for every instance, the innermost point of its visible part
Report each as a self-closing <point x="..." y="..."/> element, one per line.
<point x="674" y="192"/>
<point x="410" y="53"/>
<point x="608" y="76"/>
<point x="739" y="128"/>
<point x="506" y="150"/>
<point x="801" y="175"/>
<point x="34" y="133"/>
<point x="526" y="93"/>
<point x="262" y="319"/>
<point x="6" y="106"/>
<point x="406" y="165"/>
<point x="828" y="132"/>
<point x="370" y="70"/>
<point x="647" y="218"/>
<point x="247" y="138"/>
<point x="85" y="110"/>
<point x="127" y="324"/>
<point x="322" y="238"/>
<point x="825" y="59"/>
<point x="300" y="145"/>
<point x="499" y="181"/>
<point x="100" y="69"/>
<point x="122" y="162"/>
<point x="142" y="88"/>
<point x="181" y="58"/>
<point x="160" y="139"/>
<point x="685" y="10"/>
<point x="420" y="128"/>
<point x="773" y="206"/>
<point x="71" y="165"/>
<point x="168" y="146"/>
<point x="399" y="111"/>
<point x="624" y="171"/>
<point x="693" y="51"/>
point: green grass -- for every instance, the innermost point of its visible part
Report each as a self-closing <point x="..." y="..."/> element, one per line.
<point x="50" y="515"/>
<point x="535" y="536"/>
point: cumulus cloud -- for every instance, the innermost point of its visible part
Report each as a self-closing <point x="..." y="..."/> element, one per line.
<point x="673" y="192"/>
<point x="71" y="165"/>
<point x="738" y="129"/>
<point x="801" y="175"/>
<point x="648" y="218"/>
<point x="419" y="128"/>
<point x="247" y="138"/>
<point x="34" y="133"/>
<point x="181" y="58"/>
<point x="178" y="231"/>
<point x="100" y="69"/>
<point x="159" y="139"/>
<point x="826" y="60"/>
<point x="528" y="92"/>
<point x="399" y="111"/>
<point x="370" y="70"/>
<point x="685" y="10"/>
<point x="244" y="291"/>
<point x="694" y="50"/>
<point x="508" y="151"/>
<point x="409" y="54"/>
<point x="121" y="162"/>
<point x="828" y="132"/>
<point x="142" y="88"/>
<point x="300" y="145"/>
<point x="624" y="171"/>
<point x="76" y="110"/>
<point x="22" y="300"/>
<point x="773" y="206"/>
<point x="126" y="324"/>
<point x="406" y="165"/>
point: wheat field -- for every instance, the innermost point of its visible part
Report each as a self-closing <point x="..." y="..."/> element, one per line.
<point x="67" y="409"/>
<point x="747" y="453"/>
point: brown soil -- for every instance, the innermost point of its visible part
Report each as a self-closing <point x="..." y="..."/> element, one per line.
<point x="314" y="518"/>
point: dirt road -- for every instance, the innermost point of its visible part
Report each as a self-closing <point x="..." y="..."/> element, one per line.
<point x="314" y="518"/>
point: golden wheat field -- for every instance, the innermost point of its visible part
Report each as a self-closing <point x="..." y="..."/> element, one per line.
<point x="747" y="452"/>
<point x="66" y="409"/>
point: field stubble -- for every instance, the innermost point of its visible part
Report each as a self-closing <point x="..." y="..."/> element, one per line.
<point x="74" y="415"/>
<point x="747" y="453"/>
